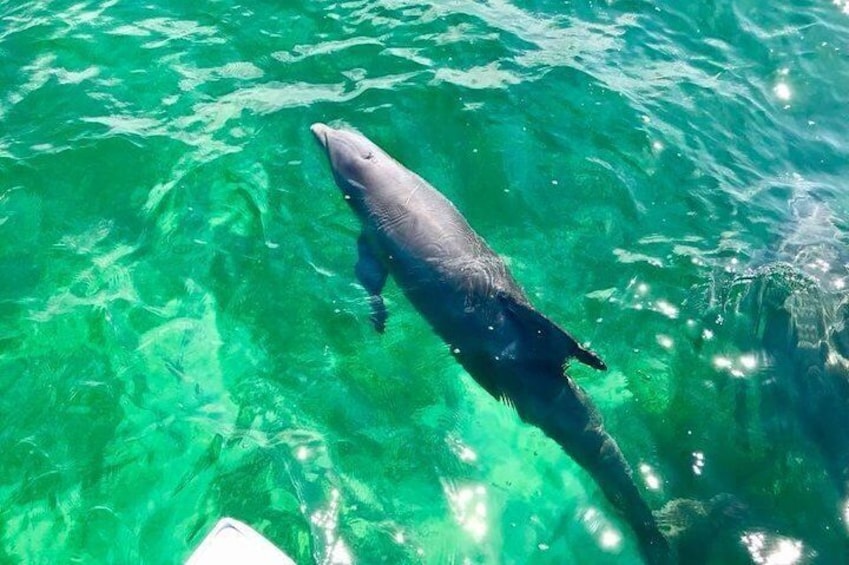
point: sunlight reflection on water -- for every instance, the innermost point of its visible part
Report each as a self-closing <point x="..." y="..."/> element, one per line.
<point x="740" y="367"/>
<point x="698" y="462"/>
<point x="607" y="536"/>
<point x="772" y="550"/>
<point x="468" y="503"/>
<point x="328" y="521"/>
<point x="209" y="294"/>
<point x="652" y="480"/>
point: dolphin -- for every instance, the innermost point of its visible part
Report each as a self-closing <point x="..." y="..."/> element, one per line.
<point x="470" y="299"/>
<point x="794" y="310"/>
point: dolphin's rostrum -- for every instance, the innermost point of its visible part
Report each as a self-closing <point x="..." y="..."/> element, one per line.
<point x="463" y="289"/>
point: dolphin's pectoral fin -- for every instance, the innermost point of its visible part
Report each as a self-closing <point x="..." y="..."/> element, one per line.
<point x="371" y="273"/>
<point x="547" y="340"/>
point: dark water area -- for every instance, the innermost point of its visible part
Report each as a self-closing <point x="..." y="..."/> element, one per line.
<point x="182" y="337"/>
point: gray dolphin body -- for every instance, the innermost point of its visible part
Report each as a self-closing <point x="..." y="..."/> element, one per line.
<point x="466" y="293"/>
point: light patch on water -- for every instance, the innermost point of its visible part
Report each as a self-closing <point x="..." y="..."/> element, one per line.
<point x="127" y="125"/>
<point x="610" y="539"/>
<point x="482" y="77"/>
<point x="707" y="334"/>
<point x="173" y="30"/>
<point x="195" y="76"/>
<point x="330" y="47"/>
<point x="327" y="520"/>
<point x="749" y="361"/>
<point x="339" y="554"/>
<point x="462" y="451"/>
<point x="651" y="478"/>
<point x="733" y="265"/>
<point x="39" y="72"/>
<point x="665" y="341"/>
<point x="738" y="368"/>
<point x="846" y="513"/>
<point x="628" y="257"/>
<point x="819" y="265"/>
<point x="835" y="359"/>
<point x="666" y="309"/>
<point x="65" y="76"/>
<point x="321" y="270"/>
<point x="721" y="362"/>
<point x="772" y="550"/>
<point x="782" y="91"/>
<point x="698" y="462"/>
<point x="843" y="5"/>
<point x="468" y="505"/>
<point x="607" y="536"/>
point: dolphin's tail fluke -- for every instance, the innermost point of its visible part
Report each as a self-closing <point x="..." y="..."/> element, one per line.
<point x="683" y="531"/>
<point x="572" y="422"/>
<point x="615" y="478"/>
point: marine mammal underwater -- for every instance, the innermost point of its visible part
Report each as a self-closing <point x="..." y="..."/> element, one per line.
<point x="792" y="310"/>
<point x="464" y="290"/>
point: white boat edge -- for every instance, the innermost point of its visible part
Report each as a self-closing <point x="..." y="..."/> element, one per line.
<point x="232" y="542"/>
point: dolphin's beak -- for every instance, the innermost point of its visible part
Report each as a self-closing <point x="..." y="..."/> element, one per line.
<point x="320" y="132"/>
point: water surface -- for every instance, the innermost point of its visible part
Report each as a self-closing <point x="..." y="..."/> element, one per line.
<point x="182" y="338"/>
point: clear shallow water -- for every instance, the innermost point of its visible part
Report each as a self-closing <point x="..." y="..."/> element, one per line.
<point x="181" y="337"/>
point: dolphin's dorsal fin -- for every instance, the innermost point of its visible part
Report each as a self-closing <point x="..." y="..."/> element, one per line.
<point x="371" y="273"/>
<point x="545" y="338"/>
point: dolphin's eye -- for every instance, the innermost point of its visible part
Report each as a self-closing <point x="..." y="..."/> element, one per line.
<point x="369" y="156"/>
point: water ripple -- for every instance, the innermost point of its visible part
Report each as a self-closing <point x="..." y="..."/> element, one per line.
<point x="173" y="349"/>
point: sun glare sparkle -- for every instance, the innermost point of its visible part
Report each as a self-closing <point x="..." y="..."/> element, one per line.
<point x="782" y="91"/>
<point x="748" y="361"/>
<point x="610" y="539"/>
<point x="772" y="550"/>
<point x="666" y="309"/>
<point x="469" y="506"/>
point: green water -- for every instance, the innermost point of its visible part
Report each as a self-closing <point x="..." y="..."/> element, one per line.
<point x="182" y="337"/>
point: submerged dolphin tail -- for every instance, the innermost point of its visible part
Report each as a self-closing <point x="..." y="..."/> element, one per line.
<point x="615" y="478"/>
<point x="572" y="422"/>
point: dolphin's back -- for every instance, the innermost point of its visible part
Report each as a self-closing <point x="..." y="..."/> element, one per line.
<point x="411" y="213"/>
<point x="430" y="248"/>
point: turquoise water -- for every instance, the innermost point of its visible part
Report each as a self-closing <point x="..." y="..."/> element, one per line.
<point x="182" y="337"/>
